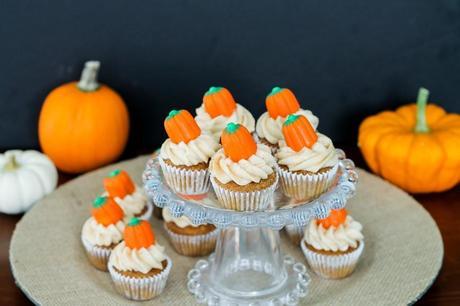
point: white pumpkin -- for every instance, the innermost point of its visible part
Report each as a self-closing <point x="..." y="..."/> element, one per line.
<point x="25" y="177"/>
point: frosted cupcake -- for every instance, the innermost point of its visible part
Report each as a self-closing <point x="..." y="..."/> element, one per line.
<point x="307" y="161"/>
<point x="218" y="109"/>
<point x="139" y="266"/>
<point x="242" y="172"/>
<point x="332" y="246"/>
<point x="103" y="231"/>
<point x="129" y="196"/>
<point x="187" y="238"/>
<point x="184" y="156"/>
<point x="280" y="103"/>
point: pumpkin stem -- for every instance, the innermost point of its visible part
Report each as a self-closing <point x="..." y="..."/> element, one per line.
<point x="11" y="164"/>
<point x="420" y="124"/>
<point x="88" y="80"/>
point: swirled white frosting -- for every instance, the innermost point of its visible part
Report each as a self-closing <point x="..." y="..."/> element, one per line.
<point x="100" y="235"/>
<point x="270" y="129"/>
<point x="346" y="235"/>
<point x="258" y="167"/>
<point x="198" y="150"/>
<point x="134" y="203"/>
<point x="139" y="260"/>
<point x="322" y="154"/>
<point x="182" y="221"/>
<point x="215" y="126"/>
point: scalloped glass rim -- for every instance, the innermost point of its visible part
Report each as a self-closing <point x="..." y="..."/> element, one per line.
<point x="300" y="214"/>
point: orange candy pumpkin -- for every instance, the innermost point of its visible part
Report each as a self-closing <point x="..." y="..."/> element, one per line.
<point x="218" y="101"/>
<point x="83" y="125"/>
<point x="336" y="217"/>
<point x="118" y="184"/>
<point x="238" y="142"/>
<point x="106" y="211"/>
<point x="298" y="132"/>
<point x="181" y="126"/>
<point x="281" y="102"/>
<point x="138" y="234"/>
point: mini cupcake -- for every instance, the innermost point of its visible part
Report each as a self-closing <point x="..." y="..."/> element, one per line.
<point x="139" y="266"/>
<point x="218" y="109"/>
<point x="103" y="231"/>
<point x="307" y="161"/>
<point x="184" y="156"/>
<point x="187" y="238"/>
<point x="333" y="245"/>
<point x="242" y="172"/>
<point x="129" y="196"/>
<point x="280" y="103"/>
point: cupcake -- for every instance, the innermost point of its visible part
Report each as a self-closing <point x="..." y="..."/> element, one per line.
<point x="129" y="196"/>
<point x="103" y="231"/>
<point x="333" y="245"/>
<point x="139" y="266"/>
<point x="307" y="161"/>
<point x="218" y="109"/>
<point x="187" y="238"/>
<point x="242" y="172"/>
<point x="184" y="156"/>
<point x="280" y="103"/>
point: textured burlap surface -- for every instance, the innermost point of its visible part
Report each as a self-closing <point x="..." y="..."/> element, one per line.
<point x="403" y="252"/>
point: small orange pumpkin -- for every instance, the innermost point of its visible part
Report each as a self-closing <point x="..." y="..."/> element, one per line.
<point x="281" y="102"/>
<point x="416" y="147"/>
<point x="83" y="125"/>
<point x="138" y="234"/>
<point x="238" y="142"/>
<point x="118" y="184"/>
<point x="106" y="211"/>
<point x="218" y="101"/>
<point x="181" y="126"/>
<point x="298" y="132"/>
<point x="336" y="217"/>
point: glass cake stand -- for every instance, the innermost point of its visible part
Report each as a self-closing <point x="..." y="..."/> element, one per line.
<point x="247" y="267"/>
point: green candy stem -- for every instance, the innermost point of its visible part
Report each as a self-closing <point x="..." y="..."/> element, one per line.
<point x="134" y="221"/>
<point x="114" y="173"/>
<point x="172" y="114"/>
<point x="232" y="127"/>
<point x="213" y="90"/>
<point x="291" y="119"/>
<point x="11" y="164"/>
<point x="275" y="90"/>
<point x="420" y="124"/>
<point x="99" y="202"/>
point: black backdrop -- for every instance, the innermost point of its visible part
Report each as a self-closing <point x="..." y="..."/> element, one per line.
<point x="344" y="59"/>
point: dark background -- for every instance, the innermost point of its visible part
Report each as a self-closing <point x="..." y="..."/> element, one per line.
<point x="343" y="59"/>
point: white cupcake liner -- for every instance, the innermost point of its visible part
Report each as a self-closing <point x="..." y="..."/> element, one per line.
<point x="97" y="256"/>
<point x="295" y="233"/>
<point x="193" y="245"/>
<point x="143" y="288"/>
<point x="304" y="187"/>
<point x="332" y="266"/>
<point x="244" y="201"/>
<point x="183" y="181"/>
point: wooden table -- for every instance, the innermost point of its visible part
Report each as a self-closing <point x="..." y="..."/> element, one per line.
<point x="444" y="207"/>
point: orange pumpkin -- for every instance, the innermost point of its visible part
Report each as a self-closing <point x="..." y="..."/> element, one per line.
<point x="417" y="147"/>
<point x="298" y="132"/>
<point x="336" y="217"/>
<point x="218" y="101"/>
<point x="238" y="142"/>
<point x="118" y="184"/>
<point x="106" y="211"/>
<point x="281" y="102"/>
<point x="83" y="125"/>
<point x="181" y="126"/>
<point x="138" y="234"/>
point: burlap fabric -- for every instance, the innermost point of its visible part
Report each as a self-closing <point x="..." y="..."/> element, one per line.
<point x="402" y="257"/>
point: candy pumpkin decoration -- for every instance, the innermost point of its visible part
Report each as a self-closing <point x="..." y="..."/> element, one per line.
<point x="83" y="125"/>
<point x="218" y="101"/>
<point x="106" y="211"/>
<point x="237" y="142"/>
<point x="181" y="126"/>
<point x="417" y="147"/>
<point x="336" y="217"/>
<point x="281" y="102"/>
<point x="138" y="234"/>
<point x="298" y="133"/>
<point x="118" y="184"/>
